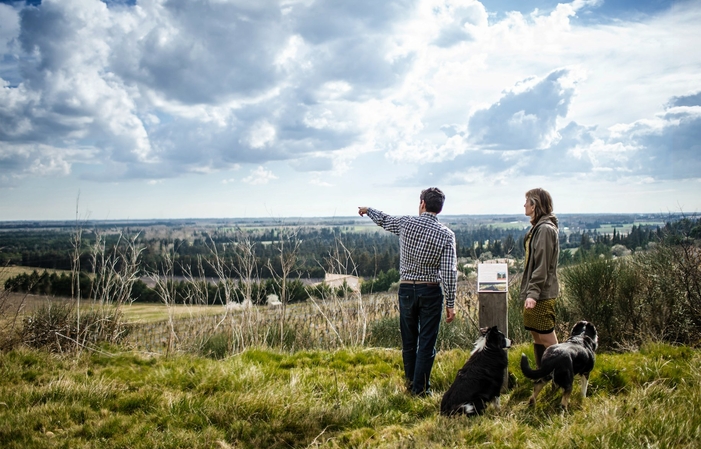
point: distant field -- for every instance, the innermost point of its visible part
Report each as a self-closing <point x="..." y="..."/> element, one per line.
<point x="23" y="304"/>
<point x="625" y="228"/>
<point x="150" y="313"/>
<point x="510" y="225"/>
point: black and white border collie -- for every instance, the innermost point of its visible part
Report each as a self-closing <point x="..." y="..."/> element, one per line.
<point x="480" y="380"/>
<point x="563" y="361"/>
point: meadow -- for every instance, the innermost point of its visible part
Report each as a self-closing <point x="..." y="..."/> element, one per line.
<point x="216" y="388"/>
<point x="327" y="372"/>
<point x="346" y="398"/>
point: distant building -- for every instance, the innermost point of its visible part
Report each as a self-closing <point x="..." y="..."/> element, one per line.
<point x="274" y="300"/>
<point x="337" y="280"/>
<point x="508" y="262"/>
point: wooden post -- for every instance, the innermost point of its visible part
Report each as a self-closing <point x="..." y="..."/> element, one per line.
<point x="493" y="311"/>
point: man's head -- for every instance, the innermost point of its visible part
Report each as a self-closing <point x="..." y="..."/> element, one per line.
<point x="433" y="198"/>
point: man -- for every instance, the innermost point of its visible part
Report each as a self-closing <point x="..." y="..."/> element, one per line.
<point x="426" y="259"/>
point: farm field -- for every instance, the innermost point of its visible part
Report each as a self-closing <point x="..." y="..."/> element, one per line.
<point x="134" y="313"/>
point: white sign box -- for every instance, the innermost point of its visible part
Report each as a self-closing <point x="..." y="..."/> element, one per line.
<point x="492" y="277"/>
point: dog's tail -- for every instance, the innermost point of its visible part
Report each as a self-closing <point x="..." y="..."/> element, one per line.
<point x="533" y="373"/>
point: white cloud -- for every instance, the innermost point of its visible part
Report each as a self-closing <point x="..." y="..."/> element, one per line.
<point x="320" y="182"/>
<point x="259" y="176"/>
<point x="441" y="88"/>
<point x="261" y="134"/>
<point x="26" y="160"/>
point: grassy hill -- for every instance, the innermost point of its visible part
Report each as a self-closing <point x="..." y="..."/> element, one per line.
<point x="351" y="397"/>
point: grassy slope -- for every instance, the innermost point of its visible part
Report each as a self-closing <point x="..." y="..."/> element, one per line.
<point x="347" y="398"/>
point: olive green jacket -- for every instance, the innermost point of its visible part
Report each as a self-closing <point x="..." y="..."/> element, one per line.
<point x="540" y="269"/>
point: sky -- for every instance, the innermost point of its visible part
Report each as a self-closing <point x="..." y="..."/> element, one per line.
<point x="311" y="108"/>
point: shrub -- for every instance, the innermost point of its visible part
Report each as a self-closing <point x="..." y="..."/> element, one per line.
<point x="385" y="333"/>
<point x="653" y="294"/>
<point x="672" y="292"/>
<point x="58" y="327"/>
<point x="609" y="293"/>
<point x="591" y="288"/>
<point x="216" y="346"/>
<point x="460" y="333"/>
<point x="381" y="283"/>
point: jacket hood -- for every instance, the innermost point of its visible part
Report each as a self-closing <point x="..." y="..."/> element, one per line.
<point x="549" y="218"/>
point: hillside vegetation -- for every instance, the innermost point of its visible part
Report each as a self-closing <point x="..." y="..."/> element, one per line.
<point x="326" y="372"/>
<point x="347" y="398"/>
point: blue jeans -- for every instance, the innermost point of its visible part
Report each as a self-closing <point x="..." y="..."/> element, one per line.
<point x="420" y="309"/>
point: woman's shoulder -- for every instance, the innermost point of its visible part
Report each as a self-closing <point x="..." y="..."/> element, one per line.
<point x="545" y="226"/>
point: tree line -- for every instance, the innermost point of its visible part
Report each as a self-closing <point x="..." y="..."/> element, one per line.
<point x="373" y="255"/>
<point x="183" y="291"/>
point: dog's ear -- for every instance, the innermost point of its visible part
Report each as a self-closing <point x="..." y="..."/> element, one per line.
<point x="579" y="328"/>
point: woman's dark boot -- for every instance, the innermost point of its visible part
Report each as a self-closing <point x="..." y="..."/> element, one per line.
<point x="538" y="350"/>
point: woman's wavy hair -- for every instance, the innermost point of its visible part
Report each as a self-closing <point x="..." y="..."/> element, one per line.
<point x="542" y="203"/>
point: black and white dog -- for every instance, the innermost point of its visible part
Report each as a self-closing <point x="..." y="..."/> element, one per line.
<point x="481" y="379"/>
<point x="563" y="361"/>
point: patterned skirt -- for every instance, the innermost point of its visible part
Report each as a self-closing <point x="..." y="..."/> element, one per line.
<point x="541" y="318"/>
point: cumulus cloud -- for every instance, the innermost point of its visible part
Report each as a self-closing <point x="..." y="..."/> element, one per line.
<point x="176" y="87"/>
<point x="457" y="21"/>
<point x="526" y="116"/>
<point x="259" y="176"/>
<point x="667" y="146"/>
<point x="159" y="89"/>
<point x="663" y="147"/>
<point x="33" y="160"/>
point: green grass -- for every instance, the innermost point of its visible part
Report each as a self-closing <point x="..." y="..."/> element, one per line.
<point x="345" y="398"/>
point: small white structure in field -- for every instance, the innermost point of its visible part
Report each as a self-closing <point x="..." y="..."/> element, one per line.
<point x="246" y="304"/>
<point x="337" y="280"/>
<point x="274" y="301"/>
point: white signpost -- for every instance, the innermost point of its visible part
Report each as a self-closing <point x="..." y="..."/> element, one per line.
<point x="492" y="292"/>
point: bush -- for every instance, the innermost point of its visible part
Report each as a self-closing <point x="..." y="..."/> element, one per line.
<point x="654" y="294"/>
<point x="216" y="346"/>
<point x="381" y="283"/>
<point x="672" y="292"/>
<point x="58" y="327"/>
<point x="324" y="291"/>
<point x="385" y="333"/>
<point x="591" y="288"/>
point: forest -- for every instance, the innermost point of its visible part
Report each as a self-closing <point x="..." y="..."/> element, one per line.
<point x="261" y="251"/>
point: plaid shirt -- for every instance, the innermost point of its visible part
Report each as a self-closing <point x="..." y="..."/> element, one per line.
<point x="426" y="249"/>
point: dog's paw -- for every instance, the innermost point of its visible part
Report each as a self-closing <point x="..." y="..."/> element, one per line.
<point x="469" y="409"/>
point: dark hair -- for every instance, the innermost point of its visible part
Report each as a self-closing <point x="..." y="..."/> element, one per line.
<point x="434" y="198"/>
<point x="542" y="203"/>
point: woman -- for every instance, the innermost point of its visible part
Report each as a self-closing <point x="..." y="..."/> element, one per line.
<point x="539" y="286"/>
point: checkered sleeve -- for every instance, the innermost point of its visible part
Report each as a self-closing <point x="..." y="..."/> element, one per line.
<point x="449" y="272"/>
<point x="387" y="222"/>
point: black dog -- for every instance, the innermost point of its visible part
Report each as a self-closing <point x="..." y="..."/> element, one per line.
<point x="563" y="361"/>
<point x="481" y="379"/>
